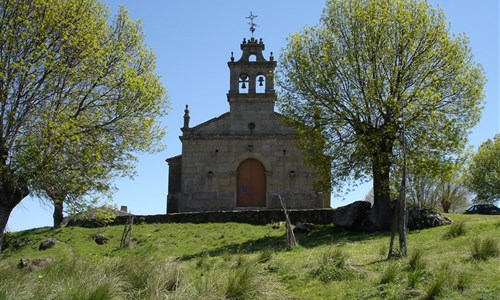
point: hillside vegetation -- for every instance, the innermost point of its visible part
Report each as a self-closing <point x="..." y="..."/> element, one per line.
<point x="241" y="261"/>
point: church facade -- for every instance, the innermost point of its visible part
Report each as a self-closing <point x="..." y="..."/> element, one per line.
<point x="246" y="157"/>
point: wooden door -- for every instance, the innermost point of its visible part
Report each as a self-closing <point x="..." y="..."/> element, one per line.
<point x="251" y="184"/>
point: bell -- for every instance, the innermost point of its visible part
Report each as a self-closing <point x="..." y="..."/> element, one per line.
<point x="243" y="86"/>
<point x="261" y="80"/>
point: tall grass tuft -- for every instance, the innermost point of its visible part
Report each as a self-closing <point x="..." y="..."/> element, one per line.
<point x="334" y="256"/>
<point x="16" y="284"/>
<point x="484" y="249"/>
<point x="333" y="266"/>
<point x="265" y="255"/>
<point x="390" y="273"/>
<point x="241" y="282"/>
<point x="456" y="229"/>
<point x="239" y="279"/>
<point x="415" y="261"/>
<point x="436" y="287"/>
<point x="88" y="280"/>
<point x="147" y="278"/>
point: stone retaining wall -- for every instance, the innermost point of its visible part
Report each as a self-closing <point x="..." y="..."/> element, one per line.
<point x="256" y="217"/>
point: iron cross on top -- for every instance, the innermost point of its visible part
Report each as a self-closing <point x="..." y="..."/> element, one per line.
<point x="251" y="23"/>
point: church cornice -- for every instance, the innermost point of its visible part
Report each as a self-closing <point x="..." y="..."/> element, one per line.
<point x="239" y="137"/>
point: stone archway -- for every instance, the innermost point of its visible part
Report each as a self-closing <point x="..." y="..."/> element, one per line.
<point x="251" y="184"/>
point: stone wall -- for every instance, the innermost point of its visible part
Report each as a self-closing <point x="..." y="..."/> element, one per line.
<point x="348" y="217"/>
<point x="256" y="217"/>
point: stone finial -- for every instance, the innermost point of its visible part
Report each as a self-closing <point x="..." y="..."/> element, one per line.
<point x="186" y="117"/>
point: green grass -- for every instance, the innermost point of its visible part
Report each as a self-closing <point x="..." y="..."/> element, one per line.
<point x="242" y="261"/>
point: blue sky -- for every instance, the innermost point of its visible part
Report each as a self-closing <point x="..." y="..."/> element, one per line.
<point x="193" y="41"/>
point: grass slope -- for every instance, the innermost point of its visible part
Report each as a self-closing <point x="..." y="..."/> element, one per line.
<point x="241" y="261"/>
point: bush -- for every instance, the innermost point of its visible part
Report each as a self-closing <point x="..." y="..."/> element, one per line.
<point x="484" y="249"/>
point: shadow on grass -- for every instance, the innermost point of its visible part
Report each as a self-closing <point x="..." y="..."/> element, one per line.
<point x="321" y="235"/>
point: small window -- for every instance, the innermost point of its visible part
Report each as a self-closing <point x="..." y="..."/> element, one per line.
<point x="252" y="58"/>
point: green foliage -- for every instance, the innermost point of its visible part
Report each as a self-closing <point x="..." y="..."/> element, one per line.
<point x="101" y="215"/>
<point x="456" y="229"/>
<point x="346" y="82"/>
<point x="79" y="98"/>
<point x="482" y="249"/>
<point x="484" y="172"/>
<point x="439" y="188"/>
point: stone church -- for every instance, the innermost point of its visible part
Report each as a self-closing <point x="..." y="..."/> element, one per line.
<point x="246" y="157"/>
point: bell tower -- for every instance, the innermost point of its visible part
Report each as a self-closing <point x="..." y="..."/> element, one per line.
<point x="251" y="79"/>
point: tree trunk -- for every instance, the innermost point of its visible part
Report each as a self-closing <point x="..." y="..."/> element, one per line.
<point x="446" y="206"/>
<point x="10" y="196"/>
<point x="381" y="212"/>
<point x="58" y="213"/>
<point x="4" y="218"/>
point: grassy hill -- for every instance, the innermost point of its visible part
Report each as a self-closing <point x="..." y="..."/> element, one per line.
<point x="241" y="261"/>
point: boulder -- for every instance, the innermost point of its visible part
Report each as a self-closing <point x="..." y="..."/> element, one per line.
<point x="425" y="218"/>
<point x="351" y="216"/>
<point x="303" y="227"/>
<point x="48" y="243"/>
<point x="99" y="238"/>
<point x="33" y="264"/>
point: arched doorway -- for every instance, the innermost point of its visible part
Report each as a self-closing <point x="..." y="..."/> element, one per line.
<point x="251" y="184"/>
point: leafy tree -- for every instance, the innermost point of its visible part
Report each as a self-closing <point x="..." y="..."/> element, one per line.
<point x="78" y="96"/>
<point x="453" y="196"/>
<point x="351" y="77"/>
<point x="484" y="172"/>
<point x="439" y="187"/>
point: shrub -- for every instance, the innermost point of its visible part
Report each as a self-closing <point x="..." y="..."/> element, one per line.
<point x="484" y="249"/>
<point x="455" y="230"/>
